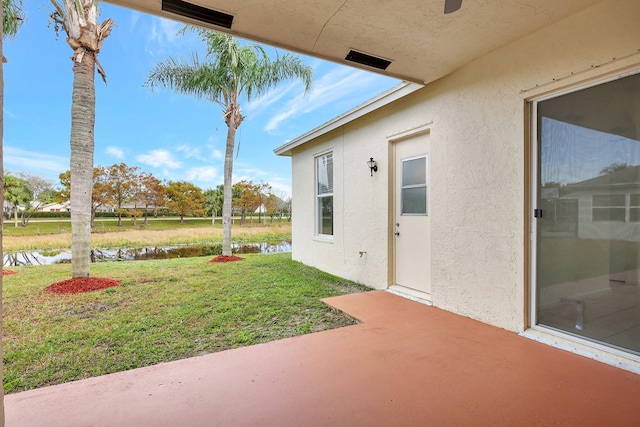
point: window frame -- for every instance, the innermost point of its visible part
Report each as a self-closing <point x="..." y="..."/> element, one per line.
<point x="320" y="197"/>
<point x="609" y="207"/>
<point x="532" y="230"/>
<point x="634" y="207"/>
<point x="413" y="186"/>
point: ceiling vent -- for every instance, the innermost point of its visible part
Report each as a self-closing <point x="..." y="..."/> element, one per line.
<point x="199" y="13"/>
<point x="368" y="60"/>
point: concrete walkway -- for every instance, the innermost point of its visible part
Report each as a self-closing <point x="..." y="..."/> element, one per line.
<point x="406" y="364"/>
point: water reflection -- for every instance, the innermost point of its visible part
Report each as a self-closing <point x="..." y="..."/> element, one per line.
<point x="139" y="254"/>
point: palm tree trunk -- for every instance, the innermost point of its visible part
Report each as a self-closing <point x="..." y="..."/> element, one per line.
<point x="1" y="204"/>
<point x="83" y="111"/>
<point x="228" y="191"/>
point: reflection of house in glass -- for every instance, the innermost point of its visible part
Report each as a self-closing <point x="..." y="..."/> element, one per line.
<point x="562" y="210"/>
<point x="608" y="206"/>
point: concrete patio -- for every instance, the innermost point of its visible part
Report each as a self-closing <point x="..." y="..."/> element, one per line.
<point x="405" y="364"/>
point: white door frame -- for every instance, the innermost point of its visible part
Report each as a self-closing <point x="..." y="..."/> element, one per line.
<point x="393" y="140"/>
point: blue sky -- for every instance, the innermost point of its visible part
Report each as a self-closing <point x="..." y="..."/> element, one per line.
<point x="175" y="137"/>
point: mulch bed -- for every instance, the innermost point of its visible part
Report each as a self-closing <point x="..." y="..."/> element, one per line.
<point x="74" y="286"/>
<point x="225" y="258"/>
<point x="7" y="272"/>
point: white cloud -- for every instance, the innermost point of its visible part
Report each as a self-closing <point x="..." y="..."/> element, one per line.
<point x="159" y="158"/>
<point x="164" y="30"/>
<point x="134" y="17"/>
<point x="115" y="152"/>
<point x="24" y="161"/>
<point x="170" y="28"/>
<point x="250" y="173"/>
<point x="280" y="186"/>
<point x="258" y="105"/>
<point x="210" y="152"/>
<point x="202" y="173"/>
<point x="338" y="84"/>
<point x="189" y="151"/>
<point x="161" y="35"/>
<point x="211" y="146"/>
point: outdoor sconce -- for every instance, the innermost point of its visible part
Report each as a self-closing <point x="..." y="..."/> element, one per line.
<point x="372" y="165"/>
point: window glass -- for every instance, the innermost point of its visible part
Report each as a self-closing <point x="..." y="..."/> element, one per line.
<point x="324" y="194"/>
<point x="634" y="208"/>
<point x="608" y="200"/>
<point x="609" y="207"/>
<point x="414" y="172"/>
<point x="414" y="186"/>
<point x="325" y="206"/>
<point x="414" y="200"/>
<point x="325" y="174"/>
<point x="588" y="236"/>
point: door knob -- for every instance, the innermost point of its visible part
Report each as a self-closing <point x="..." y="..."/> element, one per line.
<point x="397" y="233"/>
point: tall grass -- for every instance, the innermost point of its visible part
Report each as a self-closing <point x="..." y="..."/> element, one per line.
<point x="149" y="237"/>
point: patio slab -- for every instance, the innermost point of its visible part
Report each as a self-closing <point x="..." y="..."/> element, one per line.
<point x="405" y="364"/>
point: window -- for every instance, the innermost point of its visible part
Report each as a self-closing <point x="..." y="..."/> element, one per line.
<point x="609" y="207"/>
<point x="634" y="208"/>
<point x="589" y="149"/>
<point x="414" y="186"/>
<point x="324" y="194"/>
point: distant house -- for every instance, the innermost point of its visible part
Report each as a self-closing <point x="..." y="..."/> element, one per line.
<point x="55" y="207"/>
<point x="608" y="205"/>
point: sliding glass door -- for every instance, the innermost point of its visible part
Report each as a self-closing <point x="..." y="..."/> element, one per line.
<point x="587" y="213"/>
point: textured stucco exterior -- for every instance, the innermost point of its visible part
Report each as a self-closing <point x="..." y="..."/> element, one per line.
<point x="479" y="166"/>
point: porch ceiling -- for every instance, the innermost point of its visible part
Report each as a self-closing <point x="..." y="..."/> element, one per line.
<point x="422" y="43"/>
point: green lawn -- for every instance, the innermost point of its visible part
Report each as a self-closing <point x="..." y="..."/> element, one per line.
<point x="164" y="310"/>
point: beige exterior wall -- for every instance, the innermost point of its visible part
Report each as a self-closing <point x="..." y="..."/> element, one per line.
<point x="479" y="166"/>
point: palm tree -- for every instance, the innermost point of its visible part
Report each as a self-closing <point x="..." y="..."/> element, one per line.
<point x="16" y="192"/>
<point x="12" y="17"/>
<point x="85" y="37"/>
<point x="231" y="72"/>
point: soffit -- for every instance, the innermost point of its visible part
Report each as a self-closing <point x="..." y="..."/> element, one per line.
<point x="422" y="42"/>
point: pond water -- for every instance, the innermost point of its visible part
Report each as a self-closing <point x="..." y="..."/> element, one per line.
<point x="15" y="259"/>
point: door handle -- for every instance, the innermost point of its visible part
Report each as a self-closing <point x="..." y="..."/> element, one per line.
<point x="397" y="233"/>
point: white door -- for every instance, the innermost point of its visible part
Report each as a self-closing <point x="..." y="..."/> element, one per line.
<point x="411" y="217"/>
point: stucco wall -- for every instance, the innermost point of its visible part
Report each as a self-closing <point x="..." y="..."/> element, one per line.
<point x="478" y="166"/>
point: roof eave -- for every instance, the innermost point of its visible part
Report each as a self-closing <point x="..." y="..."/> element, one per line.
<point x="373" y="104"/>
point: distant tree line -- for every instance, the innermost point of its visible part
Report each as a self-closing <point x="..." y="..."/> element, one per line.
<point x="124" y="190"/>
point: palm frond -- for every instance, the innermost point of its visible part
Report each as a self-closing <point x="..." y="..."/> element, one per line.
<point x="230" y="70"/>
<point x="189" y="78"/>
<point x="12" y="18"/>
